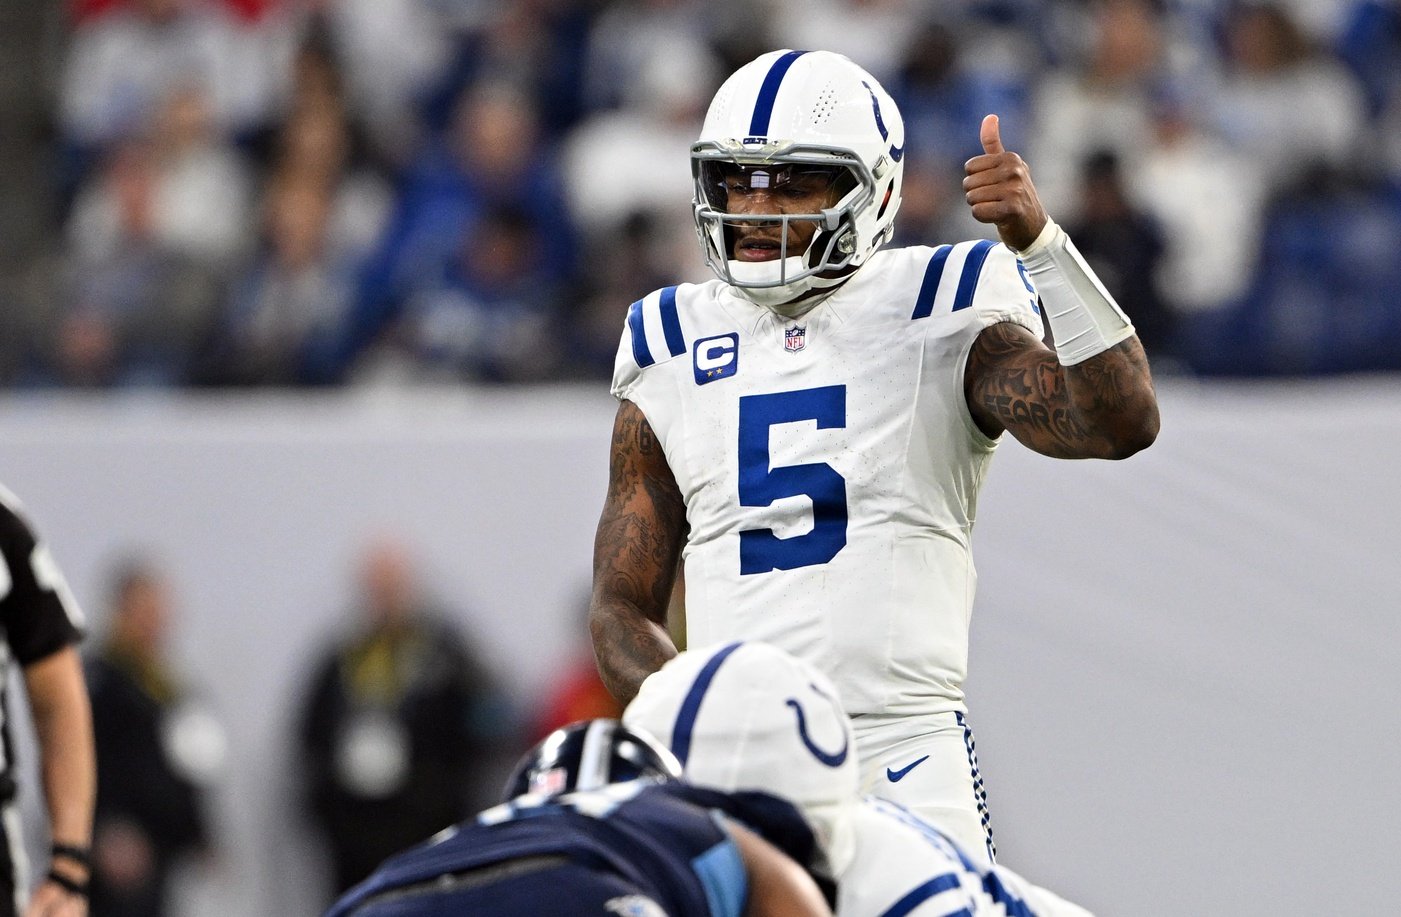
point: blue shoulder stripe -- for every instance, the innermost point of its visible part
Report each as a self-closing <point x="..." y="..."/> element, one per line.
<point x="690" y="706"/>
<point x="723" y="876"/>
<point x="768" y="91"/>
<point x="921" y="894"/>
<point x="640" y="352"/>
<point x="968" y="280"/>
<point x="924" y="302"/>
<point x="671" y="328"/>
<point x="671" y="323"/>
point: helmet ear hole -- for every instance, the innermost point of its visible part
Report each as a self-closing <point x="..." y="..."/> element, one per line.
<point x="885" y="201"/>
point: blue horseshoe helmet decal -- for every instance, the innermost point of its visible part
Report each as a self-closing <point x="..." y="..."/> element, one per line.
<point x="831" y="759"/>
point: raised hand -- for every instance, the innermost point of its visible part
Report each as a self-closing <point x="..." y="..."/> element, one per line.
<point x="999" y="190"/>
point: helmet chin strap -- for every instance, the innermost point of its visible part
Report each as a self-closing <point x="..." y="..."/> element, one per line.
<point x="781" y="299"/>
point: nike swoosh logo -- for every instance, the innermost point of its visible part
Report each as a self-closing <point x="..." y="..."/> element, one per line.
<point x="897" y="776"/>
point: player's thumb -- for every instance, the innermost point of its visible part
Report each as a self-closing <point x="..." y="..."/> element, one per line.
<point x="991" y="135"/>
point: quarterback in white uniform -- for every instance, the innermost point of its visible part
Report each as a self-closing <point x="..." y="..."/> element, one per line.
<point x="808" y="433"/>
<point x="748" y="716"/>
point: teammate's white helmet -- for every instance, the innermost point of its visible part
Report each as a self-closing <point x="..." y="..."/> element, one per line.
<point x="748" y="716"/>
<point x="801" y="109"/>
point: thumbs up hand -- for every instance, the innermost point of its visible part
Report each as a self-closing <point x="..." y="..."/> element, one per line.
<point x="990" y="133"/>
<point x="999" y="190"/>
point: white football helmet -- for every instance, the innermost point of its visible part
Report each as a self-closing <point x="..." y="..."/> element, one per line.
<point x="749" y="716"/>
<point x="800" y="110"/>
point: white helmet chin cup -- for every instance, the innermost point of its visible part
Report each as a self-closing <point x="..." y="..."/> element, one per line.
<point x="765" y="283"/>
<point x="813" y="108"/>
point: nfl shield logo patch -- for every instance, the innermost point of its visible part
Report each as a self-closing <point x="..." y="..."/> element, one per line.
<point x="795" y="338"/>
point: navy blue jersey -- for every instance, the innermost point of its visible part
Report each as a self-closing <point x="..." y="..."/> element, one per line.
<point x="666" y="842"/>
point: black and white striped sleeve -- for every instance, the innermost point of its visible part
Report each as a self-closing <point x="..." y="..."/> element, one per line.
<point x="37" y="609"/>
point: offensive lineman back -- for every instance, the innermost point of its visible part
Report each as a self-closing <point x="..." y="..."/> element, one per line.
<point x="809" y="432"/>
<point x="596" y="823"/>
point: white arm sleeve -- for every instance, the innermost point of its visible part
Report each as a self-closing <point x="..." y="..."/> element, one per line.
<point x="1084" y="318"/>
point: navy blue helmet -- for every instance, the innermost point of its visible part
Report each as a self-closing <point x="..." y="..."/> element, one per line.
<point x="590" y="754"/>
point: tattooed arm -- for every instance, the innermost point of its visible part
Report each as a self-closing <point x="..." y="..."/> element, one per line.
<point x="1104" y="407"/>
<point x="635" y="552"/>
<point x="1101" y="407"/>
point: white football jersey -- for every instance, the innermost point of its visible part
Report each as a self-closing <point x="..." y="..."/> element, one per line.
<point x="829" y="464"/>
<point x="904" y="865"/>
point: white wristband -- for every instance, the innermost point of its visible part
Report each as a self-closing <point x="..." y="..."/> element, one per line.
<point x="1084" y="318"/>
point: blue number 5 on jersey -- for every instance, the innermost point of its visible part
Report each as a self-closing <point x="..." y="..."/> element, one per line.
<point x="760" y="550"/>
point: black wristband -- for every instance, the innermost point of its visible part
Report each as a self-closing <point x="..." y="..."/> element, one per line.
<point x="73" y="888"/>
<point x="81" y="855"/>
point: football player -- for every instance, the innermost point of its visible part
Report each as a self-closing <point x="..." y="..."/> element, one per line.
<point x="596" y="823"/>
<point x="809" y="431"/>
<point x="749" y="717"/>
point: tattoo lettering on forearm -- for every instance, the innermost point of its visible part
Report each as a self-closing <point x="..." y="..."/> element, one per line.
<point x="1091" y="409"/>
<point x="1014" y="410"/>
<point x="1022" y="412"/>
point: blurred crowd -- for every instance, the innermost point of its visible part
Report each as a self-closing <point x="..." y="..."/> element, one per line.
<point x="320" y="192"/>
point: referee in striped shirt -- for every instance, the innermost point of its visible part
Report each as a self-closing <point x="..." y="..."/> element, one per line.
<point x="41" y="627"/>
